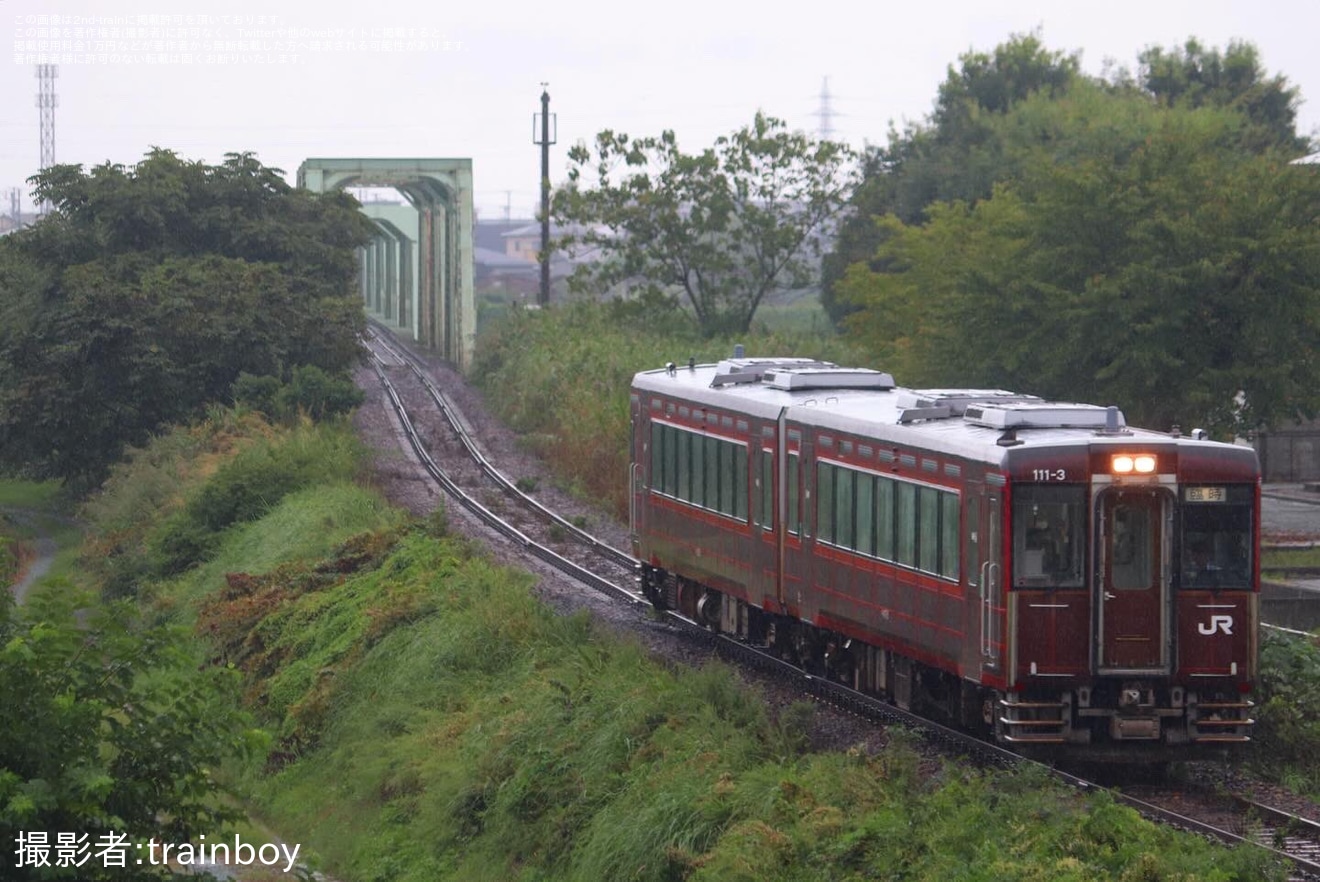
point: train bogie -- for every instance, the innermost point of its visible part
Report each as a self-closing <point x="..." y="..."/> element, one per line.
<point x="1034" y="568"/>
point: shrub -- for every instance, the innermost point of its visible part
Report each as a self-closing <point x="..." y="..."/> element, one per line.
<point x="247" y="486"/>
<point x="309" y="391"/>
<point x="1287" y="740"/>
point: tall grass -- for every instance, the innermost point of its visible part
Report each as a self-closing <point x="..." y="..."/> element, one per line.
<point x="561" y="377"/>
<point x="169" y="506"/>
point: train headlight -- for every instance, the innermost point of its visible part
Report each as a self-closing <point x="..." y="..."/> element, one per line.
<point x="1127" y="464"/>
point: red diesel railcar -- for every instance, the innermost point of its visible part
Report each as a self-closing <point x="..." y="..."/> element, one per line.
<point x="1035" y="568"/>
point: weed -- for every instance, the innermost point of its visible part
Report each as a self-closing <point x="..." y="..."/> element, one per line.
<point x="563" y="375"/>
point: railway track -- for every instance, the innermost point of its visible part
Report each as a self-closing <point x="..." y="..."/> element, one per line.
<point x="1291" y="838"/>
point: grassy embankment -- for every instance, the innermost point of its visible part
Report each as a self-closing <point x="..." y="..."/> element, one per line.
<point x="431" y="720"/>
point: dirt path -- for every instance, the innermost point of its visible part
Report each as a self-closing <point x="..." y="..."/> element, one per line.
<point x="42" y="543"/>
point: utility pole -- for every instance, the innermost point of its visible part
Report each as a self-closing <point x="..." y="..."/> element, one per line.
<point x="47" y="101"/>
<point x="545" y="139"/>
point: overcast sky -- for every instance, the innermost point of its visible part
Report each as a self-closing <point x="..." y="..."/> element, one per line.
<point x="291" y="80"/>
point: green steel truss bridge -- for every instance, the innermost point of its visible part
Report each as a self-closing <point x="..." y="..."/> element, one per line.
<point x="416" y="274"/>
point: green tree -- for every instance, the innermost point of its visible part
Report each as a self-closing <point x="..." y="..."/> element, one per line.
<point x="1142" y="259"/>
<point x="960" y="152"/>
<point x="150" y="289"/>
<point x="1194" y="76"/>
<point x="109" y="731"/>
<point x="719" y="229"/>
<point x="979" y="134"/>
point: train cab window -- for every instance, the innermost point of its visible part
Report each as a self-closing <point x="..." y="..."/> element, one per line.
<point x="1216" y="537"/>
<point x="1049" y="536"/>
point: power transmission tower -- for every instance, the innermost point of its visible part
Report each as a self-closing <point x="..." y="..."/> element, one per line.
<point x="16" y="206"/>
<point x="826" y="112"/>
<point x="47" y="101"/>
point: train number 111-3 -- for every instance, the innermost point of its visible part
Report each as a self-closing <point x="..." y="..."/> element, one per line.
<point x="1049" y="475"/>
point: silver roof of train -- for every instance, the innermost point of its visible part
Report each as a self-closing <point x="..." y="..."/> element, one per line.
<point x="972" y="423"/>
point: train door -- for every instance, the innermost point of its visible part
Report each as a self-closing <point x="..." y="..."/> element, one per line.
<point x="766" y="533"/>
<point x="983" y="554"/>
<point x="796" y="544"/>
<point x="1133" y="584"/>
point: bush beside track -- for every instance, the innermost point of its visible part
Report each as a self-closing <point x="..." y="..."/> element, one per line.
<point x="561" y="378"/>
<point x="430" y="719"/>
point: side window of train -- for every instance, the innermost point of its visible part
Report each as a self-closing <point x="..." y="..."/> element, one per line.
<point x="949" y="535"/>
<point x="866" y="514"/>
<point x="884" y="518"/>
<point x="824" y="501"/>
<point x="844" y="515"/>
<point x="740" y="489"/>
<point x="905" y="520"/>
<point x="794" y="491"/>
<point x="657" y="457"/>
<point x="767" y="516"/>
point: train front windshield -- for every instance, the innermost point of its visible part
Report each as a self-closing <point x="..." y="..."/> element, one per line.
<point x="1216" y="536"/>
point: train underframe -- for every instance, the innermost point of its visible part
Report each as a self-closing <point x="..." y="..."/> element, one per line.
<point x="1112" y="720"/>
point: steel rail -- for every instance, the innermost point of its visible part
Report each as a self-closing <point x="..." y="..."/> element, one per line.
<point x="451" y="416"/>
<point x="484" y="514"/>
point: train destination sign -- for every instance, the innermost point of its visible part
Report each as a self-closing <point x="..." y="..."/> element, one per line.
<point x="1206" y="494"/>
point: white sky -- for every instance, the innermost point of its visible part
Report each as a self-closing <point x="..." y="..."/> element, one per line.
<point x="699" y="68"/>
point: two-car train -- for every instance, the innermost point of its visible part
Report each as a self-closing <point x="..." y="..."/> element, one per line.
<point x="1035" y="569"/>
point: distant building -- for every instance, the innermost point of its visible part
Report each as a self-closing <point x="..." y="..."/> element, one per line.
<point x="507" y="255"/>
<point x="1290" y="453"/>
<point x="8" y="223"/>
